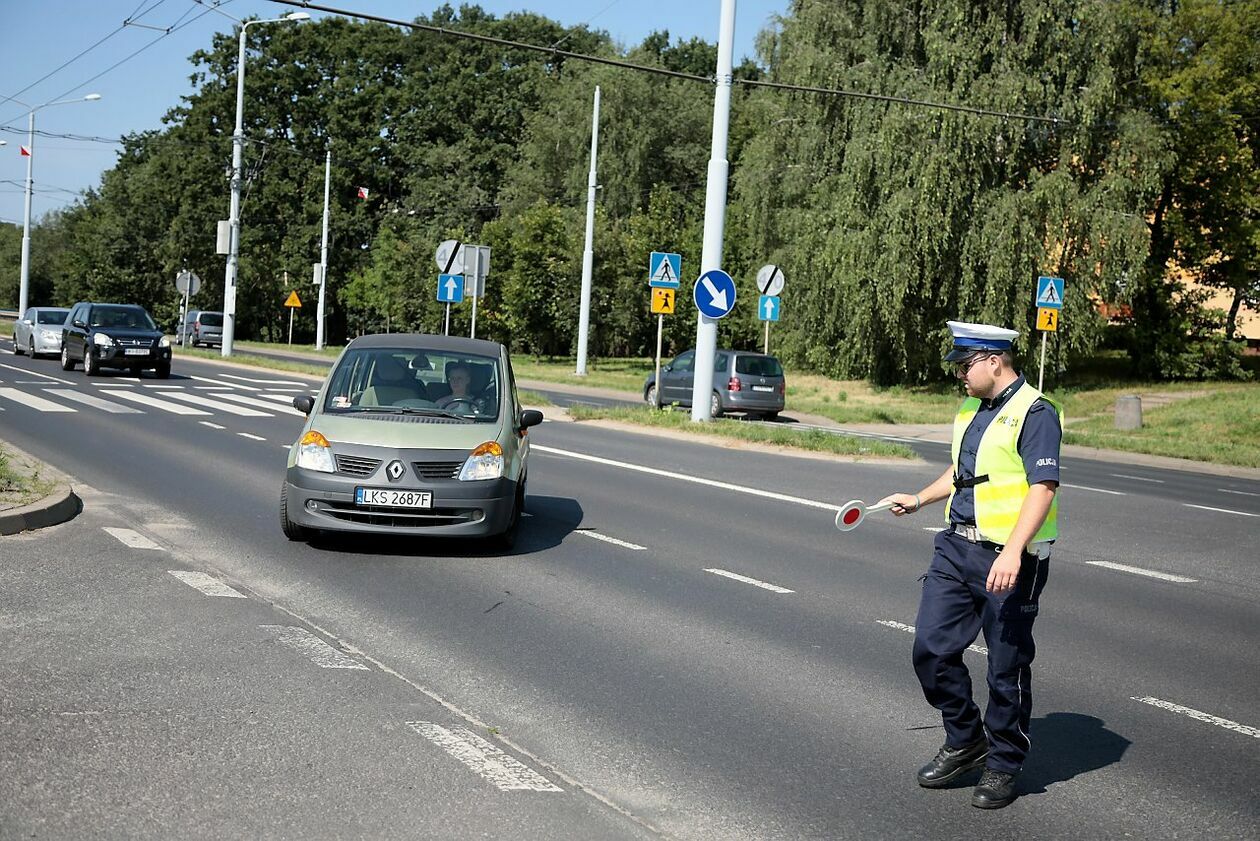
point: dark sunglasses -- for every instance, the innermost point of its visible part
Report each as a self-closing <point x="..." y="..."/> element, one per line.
<point x="963" y="368"/>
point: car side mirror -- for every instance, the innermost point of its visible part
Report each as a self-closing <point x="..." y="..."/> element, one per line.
<point x="77" y="323"/>
<point x="304" y="403"/>
<point x="667" y="368"/>
<point x="530" y="417"/>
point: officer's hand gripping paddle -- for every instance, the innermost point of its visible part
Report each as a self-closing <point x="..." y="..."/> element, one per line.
<point x="853" y="512"/>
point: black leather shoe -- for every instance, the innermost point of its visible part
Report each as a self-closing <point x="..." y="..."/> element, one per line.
<point x="953" y="762"/>
<point x="995" y="790"/>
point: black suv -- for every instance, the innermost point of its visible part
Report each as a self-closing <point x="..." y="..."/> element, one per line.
<point x="113" y="336"/>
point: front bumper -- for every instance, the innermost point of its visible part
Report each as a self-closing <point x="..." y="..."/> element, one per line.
<point x="51" y="346"/>
<point x="116" y="356"/>
<point x="460" y="509"/>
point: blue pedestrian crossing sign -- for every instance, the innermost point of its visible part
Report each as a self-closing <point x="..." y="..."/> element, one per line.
<point x="1050" y="292"/>
<point x="768" y="308"/>
<point x="664" y="270"/>
<point x="450" y="288"/>
<point x="714" y="294"/>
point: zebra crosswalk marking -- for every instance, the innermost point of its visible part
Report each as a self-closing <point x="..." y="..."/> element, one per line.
<point x="146" y="400"/>
<point x="200" y="400"/>
<point x="228" y="385"/>
<point x="94" y="401"/>
<point x="254" y="401"/>
<point x="37" y="403"/>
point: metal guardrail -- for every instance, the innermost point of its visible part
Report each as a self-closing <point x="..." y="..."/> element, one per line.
<point x="10" y="314"/>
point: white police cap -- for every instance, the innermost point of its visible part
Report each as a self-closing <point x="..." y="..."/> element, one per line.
<point x="969" y="338"/>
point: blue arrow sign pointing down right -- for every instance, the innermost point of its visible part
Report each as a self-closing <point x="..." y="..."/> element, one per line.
<point x="714" y="294"/>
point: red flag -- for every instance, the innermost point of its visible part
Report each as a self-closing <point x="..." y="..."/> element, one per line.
<point x="26" y="151"/>
<point x="363" y="192"/>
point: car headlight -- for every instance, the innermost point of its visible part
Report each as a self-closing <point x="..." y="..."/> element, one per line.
<point x="102" y="340"/>
<point x="164" y="342"/>
<point x="315" y="453"/>
<point x="50" y="335"/>
<point x="485" y="462"/>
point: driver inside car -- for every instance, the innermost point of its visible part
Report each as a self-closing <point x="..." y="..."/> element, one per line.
<point x="459" y="378"/>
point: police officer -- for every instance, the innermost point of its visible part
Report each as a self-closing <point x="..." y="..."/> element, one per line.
<point x="990" y="565"/>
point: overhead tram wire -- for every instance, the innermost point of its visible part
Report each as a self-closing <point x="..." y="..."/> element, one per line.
<point x="661" y="71"/>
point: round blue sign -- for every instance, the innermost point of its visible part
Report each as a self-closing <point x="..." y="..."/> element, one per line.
<point x="714" y="294"/>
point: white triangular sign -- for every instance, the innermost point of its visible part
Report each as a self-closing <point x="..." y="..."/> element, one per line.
<point x="664" y="272"/>
<point x="1049" y="294"/>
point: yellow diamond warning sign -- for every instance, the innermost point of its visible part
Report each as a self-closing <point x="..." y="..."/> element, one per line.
<point x="1048" y="319"/>
<point x="294" y="300"/>
<point x="662" y="301"/>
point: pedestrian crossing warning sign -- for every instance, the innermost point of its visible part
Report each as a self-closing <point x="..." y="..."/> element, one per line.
<point x="1048" y="319"/>
<point x="663" y="301"/>
<point x="294" y="300"/>
<point x="1050" y="292"/>
<point x="664" y="270"/>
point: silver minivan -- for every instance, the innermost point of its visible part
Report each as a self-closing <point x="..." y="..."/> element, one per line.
<point x="743" y="381"/>
<point x="200" y="327"/>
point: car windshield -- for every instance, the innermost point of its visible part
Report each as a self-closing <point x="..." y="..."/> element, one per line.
<point x="211" y="319"/>
<point x="126" y="318"/>
<point x="758" y="366"/>
<point x="51" y="316"/>
<point x="415" y="381"/>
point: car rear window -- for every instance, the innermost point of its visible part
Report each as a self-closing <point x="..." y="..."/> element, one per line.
<point x="51" y="317"/>
<point x="211" y="319"/>
<point x="758" y="366"/>
<point x="392" y="380"/>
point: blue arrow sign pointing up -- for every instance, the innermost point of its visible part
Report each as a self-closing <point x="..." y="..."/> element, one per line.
<point x="768" y="308"/>
<point x="714" y="294"/>
<point x="450" y="288"/>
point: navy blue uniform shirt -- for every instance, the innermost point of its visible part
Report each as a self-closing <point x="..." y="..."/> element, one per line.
<point x="1038" y="447"/>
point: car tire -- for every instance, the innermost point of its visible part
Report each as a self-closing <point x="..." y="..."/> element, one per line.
<point x="770" y="416"/>
<point x="17" y="348"/>
<point x="650" y="397"/>
<point x="715" y="405"/>
<point x="291" y="529"/>
<point x="163" y="370"/>
<point x="90" y="366"/>
<point x="67" y="364"/>
<point x="506" y="540"/>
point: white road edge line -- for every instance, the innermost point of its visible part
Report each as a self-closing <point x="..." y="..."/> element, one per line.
<point x="1219" y="510"/>
<point x="251" y="436"/>
<point x="320" y="653"/>
<point x="504" y="772"/>
<point x="902" y="626"/>
<point x="1149" y="573"/>
<point x="129" y="537"/>
<point x="1253" y="732"/>
<point x="774" y="588"/>
<point x="206" y="584"/>
<point x="608" y="539"/>
<point x="1095" y="490"/>
<point x="712" y="483"/>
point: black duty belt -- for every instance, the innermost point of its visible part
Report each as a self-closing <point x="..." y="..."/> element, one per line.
<point x="959" y="484"/>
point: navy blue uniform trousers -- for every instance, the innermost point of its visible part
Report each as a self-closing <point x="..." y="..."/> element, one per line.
<point x="954" y="608"/>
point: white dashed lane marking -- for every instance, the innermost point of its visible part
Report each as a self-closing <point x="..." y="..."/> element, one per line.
<point x="607" y="539"/>
<point x="132" y="538"/>
<point x="1219" y="510"/>
<point x="1199" y="715"/>
<point x="206" y="584"/>
<point x="1137" y="478"/>
<point x="1149" y="573"/>
<point x="211" y="425"/>
<point x="1240" y="493"/>
<point x="1095" y="490"/>
<point x="251" y="436"/>
<point x="320" y="653"/>
<point x="774" y="588"/>
<point x="504" y="772"/>
<point x="902" y="626"/>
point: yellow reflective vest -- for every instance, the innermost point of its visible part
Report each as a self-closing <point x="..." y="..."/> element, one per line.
<point x="999" y="500"/>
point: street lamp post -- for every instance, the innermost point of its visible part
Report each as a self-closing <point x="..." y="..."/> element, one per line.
<point x="24" y="287"/>
<point x="234" y="213"/>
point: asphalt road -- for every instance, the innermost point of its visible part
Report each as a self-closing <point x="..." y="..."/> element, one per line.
<point x="609" y="678"/>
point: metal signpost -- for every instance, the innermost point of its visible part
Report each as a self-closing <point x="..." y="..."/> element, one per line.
<point x="187" y="283"/>
<point x="1049" y="304"/>
<point x="770" y="282"/>
<point x="476" y="262"/>
<point x="664" y="278"/>
<point x="294" y="303"/>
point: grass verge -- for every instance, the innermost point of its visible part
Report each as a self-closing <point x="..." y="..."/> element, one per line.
<point x="17" y="486"/>
<point x="800" y="439"/>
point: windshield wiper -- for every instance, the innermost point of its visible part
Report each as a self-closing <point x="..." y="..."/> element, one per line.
<point x="406" y="410"/>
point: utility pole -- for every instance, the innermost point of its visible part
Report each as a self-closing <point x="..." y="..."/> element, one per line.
<point x="588" y="254"/>
<point x="323" y="255"/>
<point x="714" y="210"/>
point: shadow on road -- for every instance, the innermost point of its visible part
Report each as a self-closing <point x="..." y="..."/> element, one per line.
<point x="1066" y="745"/>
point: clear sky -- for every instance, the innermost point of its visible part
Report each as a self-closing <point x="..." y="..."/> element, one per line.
<point x="38" y="36"/>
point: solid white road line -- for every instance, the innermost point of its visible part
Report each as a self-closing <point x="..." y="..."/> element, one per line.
<point x="1219" y="510"/>
<point x="683" y="477"/>
<point x="774" y="588"/>
<point x="37" y="403"/>
<point x="320" y="653"/>
<point x="1136" y="478"/>
<point x="1240" y="493"/>
<point x="934" y="528"/>
<point x="207" y="585"/>
<point x="608" y="539"/>
<point x="251" y="437"/>
<point x="1095" y="490"/>
<point x="153" y="402"/>
<point x="211" y="425"/>
<point x="1163" y="576"/>
<point x="36" y="374"/>
<point x="227" y="385"/>
<point x="261" y="404"/>
<point x="902" y="626"/>
<point x="1253" y="732"/>
<point x="501" y="770"/>
<point x="129" y="537"/>
<point x="94" y="401"/>
<point x="217" y="405"/>
<point x="264" y="382"/>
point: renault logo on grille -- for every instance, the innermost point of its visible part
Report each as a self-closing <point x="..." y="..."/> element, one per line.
<point x="395" y="470"/>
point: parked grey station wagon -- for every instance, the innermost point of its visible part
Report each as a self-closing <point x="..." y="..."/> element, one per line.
<point x="743" y="381"/>
<point x="411" y="435"/>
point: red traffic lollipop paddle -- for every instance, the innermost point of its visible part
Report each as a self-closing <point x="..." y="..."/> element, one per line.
<point x="853" y="512"/>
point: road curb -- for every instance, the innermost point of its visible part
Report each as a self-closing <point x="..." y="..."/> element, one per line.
<point x="58" y="507"/>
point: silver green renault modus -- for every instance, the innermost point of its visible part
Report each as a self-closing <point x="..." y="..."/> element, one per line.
<point x="411" y="435"/>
